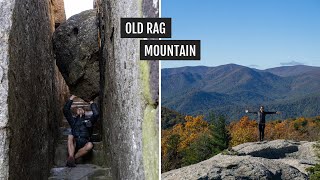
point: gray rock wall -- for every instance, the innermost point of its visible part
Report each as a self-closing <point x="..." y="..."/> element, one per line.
<point x="129" y="95"/>
<point x="58" y="17"/>
<point x="5" y="25"/>
<point x="27" y="91"/>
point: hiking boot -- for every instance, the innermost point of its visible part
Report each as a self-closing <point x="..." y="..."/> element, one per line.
<point x="71" y="162"/>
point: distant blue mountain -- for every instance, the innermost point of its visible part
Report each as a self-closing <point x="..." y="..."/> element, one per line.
<point x="230" y="89"/>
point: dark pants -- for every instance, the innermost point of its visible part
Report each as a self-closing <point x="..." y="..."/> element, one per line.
<point x="261" y="131"/>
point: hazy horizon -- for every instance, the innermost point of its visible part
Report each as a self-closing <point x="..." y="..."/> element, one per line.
<point x="238" y="65"/>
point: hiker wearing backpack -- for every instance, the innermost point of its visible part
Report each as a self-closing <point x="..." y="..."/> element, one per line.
<point x="79" y="143"/>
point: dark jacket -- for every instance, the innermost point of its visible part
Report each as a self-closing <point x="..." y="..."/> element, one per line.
<point x="262" y="116"/>
<point x="77" y="124"/>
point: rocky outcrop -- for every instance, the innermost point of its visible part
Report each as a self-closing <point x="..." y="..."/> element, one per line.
<point x="76" y="47"/>
<point x="278" y="159"/>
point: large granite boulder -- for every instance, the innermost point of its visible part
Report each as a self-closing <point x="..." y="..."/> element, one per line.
<point x="76" y="47"/>
<point x="279" y="159"/>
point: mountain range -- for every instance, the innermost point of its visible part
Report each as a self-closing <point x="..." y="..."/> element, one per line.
<point x="230" y="89"/>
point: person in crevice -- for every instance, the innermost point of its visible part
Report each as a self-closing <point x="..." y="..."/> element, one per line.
<point x="79" y="143"/>
<point x="262" y="120"/>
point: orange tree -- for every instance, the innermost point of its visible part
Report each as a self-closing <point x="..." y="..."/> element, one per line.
<point x="243" y="131"/>
<point x="298" y="129"/>
<point x="175" y="142"/>
<point x="193" y="128"/>
<point x="211" y="140"/>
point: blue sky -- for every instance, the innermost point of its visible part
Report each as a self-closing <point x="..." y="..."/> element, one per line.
<point x="255" y="33"/>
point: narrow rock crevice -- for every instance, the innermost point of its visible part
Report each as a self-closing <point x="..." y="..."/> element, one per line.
<point x="45" y="59"/>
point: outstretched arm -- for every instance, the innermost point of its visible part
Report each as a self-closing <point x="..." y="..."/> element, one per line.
<point x="253" y="112"/>
<point x="276" y="112"/>
<point x="67" y="110"/>
<point x="95" y="112"/>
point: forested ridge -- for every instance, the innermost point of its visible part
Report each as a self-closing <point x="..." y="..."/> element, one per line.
<point x="230" y="89"/>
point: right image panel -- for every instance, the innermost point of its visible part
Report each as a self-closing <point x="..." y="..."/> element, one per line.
<point x="249" y="109"/>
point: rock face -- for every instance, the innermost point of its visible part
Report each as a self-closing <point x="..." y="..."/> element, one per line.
<point x="27" y="90"/>
<point x="59" y="13"/>
<point x="58" y="17"/>
<point x="129" y="94"/>
<point x="5" y="27"/>
<point x="76" y="47"/>
<point x="29" y="110"/>
<point x="278" y="159"/>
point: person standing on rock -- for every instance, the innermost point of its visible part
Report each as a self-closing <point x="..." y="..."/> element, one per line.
<point x="262" y="120"/>
<point x="79" y="140"/>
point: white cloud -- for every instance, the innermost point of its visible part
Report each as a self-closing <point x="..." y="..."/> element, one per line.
<point x="73" y="7"/>
<point x="254" y="66"/>
<point x="291" y="63"/>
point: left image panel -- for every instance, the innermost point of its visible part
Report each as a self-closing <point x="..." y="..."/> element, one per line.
<point x="76" y="100"/>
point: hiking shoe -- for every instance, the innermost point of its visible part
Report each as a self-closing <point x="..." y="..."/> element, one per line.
<point x="71" y="162"/>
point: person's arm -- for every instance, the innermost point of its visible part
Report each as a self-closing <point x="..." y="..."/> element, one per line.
<point x="274" y="112"/>
<point x="271" y="112"/>
<point x="67" y="110"/>
<point x="95" y="112"/>
<point x="252" y="112"/>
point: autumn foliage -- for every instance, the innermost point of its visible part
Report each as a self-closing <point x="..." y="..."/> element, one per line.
<point x="192" y="141"/>
<point x="175" y="141"/>
<point x="298" y="129"/>
<point x="196" y="139"/>
<point x="243" y="131"/>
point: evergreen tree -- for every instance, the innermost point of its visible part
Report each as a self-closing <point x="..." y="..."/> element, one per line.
<point x="208" y="144"/>
<point x="220" y="133"/>
<point x="199" y="150"/>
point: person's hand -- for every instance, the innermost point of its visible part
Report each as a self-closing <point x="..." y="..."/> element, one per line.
<point x="72" y="97"/>
<point x="247" y="110"/>
<point x="91" y="102"/>
<point x="278" y="112"/>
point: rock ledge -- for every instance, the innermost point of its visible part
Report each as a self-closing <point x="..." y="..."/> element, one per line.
<point x="278" y="159"/>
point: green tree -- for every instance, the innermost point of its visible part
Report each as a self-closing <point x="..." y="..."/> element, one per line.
<point x="198" y="150"/>
<point x="221" y="136"/>
<point x="208" y="144"/>
<point x="171" y="159"/>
